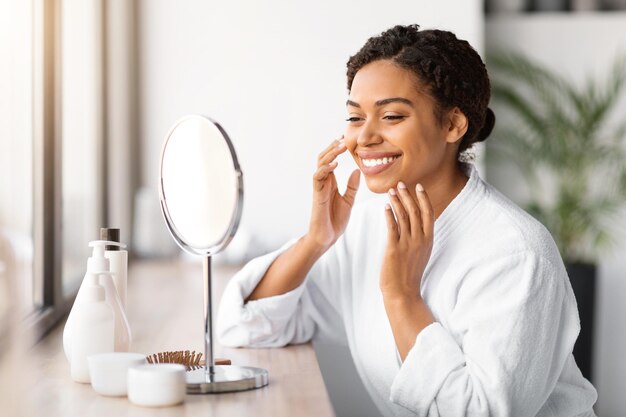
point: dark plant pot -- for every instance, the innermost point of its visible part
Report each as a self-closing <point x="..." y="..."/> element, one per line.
<point x="583" y="279"/>
<point x="550" y="5"/>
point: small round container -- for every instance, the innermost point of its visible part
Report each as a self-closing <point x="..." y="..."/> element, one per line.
<point x="156" y="385"/>
<point x="108" y="371"/>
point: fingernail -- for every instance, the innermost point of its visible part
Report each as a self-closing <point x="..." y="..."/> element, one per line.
<point x="387" y="206"/>
<point x="401" y="185"/>
<point x="419" y="188"/>
<point x="392" y="191"/>
<point x="341" y="144"/>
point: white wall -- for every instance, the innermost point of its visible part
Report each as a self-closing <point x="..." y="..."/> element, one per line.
<point x="580" y="45"/>
<point x="273" y="73"/>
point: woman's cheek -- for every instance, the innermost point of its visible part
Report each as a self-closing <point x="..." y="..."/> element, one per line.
<point x="349" y="137"/>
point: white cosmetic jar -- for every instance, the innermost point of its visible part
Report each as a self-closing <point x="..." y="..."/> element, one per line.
<point x="157" y="385"/>
<point x="108" y="371"/>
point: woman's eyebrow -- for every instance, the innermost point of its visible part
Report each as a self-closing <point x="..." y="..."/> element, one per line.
<point x="383" y="102"/>
<point x="394" y="100"/>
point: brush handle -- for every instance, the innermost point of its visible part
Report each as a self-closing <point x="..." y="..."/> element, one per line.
<point x="218" y="361"/>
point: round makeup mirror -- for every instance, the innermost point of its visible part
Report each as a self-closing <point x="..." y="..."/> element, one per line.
<point x="201" y="192"/>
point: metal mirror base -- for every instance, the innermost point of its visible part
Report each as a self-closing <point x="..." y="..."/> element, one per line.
<point x="227" y="378"/>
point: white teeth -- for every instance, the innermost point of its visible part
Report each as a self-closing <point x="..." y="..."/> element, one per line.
<point x="376" y="162"/>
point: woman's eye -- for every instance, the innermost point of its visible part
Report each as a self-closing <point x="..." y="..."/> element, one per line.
<point x="353" y="119"/>
<point x="394" y="117"/>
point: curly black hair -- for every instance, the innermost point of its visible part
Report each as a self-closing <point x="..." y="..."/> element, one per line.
<point x="450" y="69"/>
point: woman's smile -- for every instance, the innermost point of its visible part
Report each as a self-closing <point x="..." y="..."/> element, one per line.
<point x="372" y="163"/>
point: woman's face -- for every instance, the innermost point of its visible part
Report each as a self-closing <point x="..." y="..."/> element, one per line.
<point x="392" y="132"/>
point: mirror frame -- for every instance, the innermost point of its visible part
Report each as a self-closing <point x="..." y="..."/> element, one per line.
<point x="236" y="218"/>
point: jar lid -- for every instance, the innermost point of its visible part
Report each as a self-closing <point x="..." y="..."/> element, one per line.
<point x="157" y="385"/>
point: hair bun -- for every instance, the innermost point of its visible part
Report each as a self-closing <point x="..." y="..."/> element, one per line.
<point x="490" y="121"/>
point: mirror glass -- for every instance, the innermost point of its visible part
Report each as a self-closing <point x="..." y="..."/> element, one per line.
<point x="200" y="185"/>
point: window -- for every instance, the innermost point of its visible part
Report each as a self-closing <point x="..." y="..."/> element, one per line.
<point x="52" y="162"/>
<point x="81" y="136"/>
<point x="16" y="156"/>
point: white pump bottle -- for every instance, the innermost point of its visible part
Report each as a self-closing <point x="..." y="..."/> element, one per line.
<point x="98" y="265"/>
<point x="94" y="328"/>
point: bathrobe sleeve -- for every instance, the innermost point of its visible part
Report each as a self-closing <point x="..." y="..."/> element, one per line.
<point x="311" y="310"/>
<point x="515" y="321"/>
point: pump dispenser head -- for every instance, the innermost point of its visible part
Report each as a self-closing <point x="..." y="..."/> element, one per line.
<point x="97" y="262"/>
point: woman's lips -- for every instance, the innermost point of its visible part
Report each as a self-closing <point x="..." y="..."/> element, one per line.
<point x="377" y="169"/>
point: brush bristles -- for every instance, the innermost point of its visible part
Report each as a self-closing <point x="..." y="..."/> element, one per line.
<point x="191" y="359"/>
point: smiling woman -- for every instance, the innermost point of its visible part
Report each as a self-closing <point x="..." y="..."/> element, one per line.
<point x="452" y="300"/>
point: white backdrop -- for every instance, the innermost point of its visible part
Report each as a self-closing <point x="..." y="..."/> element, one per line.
<point x="273" y="73"/>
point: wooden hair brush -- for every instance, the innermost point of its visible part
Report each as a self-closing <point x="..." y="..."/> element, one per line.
<point x="190" y="359"/>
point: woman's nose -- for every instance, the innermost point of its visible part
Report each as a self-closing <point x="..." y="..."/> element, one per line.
<point x="368" y="135"/>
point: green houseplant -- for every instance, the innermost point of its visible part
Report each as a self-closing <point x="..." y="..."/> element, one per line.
<point x="571" y="154"/>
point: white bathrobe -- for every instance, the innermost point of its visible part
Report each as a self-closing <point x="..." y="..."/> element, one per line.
<point x="505" y="315"/>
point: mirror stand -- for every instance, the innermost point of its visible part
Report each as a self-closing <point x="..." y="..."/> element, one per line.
<point x="219" y="378"/>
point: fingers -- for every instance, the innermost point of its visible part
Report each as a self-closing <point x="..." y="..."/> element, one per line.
<point x="412" y="209"/>
<point x="392" y="227"/>
<point x="352" y="187"/>
<point x="337" y="147"/>
<point x="322" y="173"/>
<point x="427" y="212"/>
<point x="402" y="217"/>
<point x="329" y="148"/>
<point x="414" y="218"/>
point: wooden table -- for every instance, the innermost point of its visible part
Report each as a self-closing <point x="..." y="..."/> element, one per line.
<point x="165" y="313"/>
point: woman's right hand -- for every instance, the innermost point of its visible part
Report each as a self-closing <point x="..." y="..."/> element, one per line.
<point x="329" y="219"/>
<point x="331" y="210"/>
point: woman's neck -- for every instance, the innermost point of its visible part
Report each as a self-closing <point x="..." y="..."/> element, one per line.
<point x="443" y="188"/>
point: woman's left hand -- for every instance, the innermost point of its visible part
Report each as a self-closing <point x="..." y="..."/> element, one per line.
<point x="409" y="243"/>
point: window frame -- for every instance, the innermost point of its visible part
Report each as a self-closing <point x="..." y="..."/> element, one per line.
<point x="51" y="304"/>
